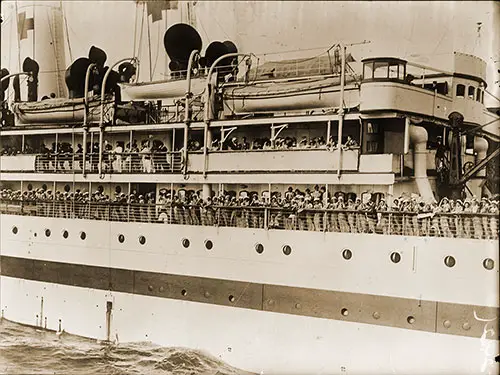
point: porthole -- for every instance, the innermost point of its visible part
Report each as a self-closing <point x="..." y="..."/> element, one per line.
<point x="259" y="248"/>
<point x="231" y="298"/>
<point x="121" y="238"/>
<point x="65" y="233"/>
<point x="14" y="230"/>
<point x="209" y="244"/>
<point x="376" y="315"/>
<point x="344" y="312"/>
<point x="347" y="254"/>
<point x="184" y="292"/>
<point x="410" y="319"/>
<point x="150" y="288"/>
<point x="446" y="324"/>
<point x="185" y="242"/>
<point x="47" y="232"/>
<point x="30" y="187"/>
<point x="67" y="188"/>
<point x="44" y="187"/>
<point x="489" y="264"/>
<point x="449" y="261"/>
<point x="287" y="250"/>
<point x="142" y="240"/>
<point x="395" y="257"/>
<point x="83" y="235"/>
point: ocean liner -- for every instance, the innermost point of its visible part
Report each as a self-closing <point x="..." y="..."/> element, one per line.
<point x="293" y="216"/>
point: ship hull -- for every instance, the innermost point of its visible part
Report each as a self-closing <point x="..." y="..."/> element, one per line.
<point x="250" y="340"/>
<point x="102" y="289"/>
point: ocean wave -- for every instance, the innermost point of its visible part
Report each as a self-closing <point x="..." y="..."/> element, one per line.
<point x="27" y="350"/>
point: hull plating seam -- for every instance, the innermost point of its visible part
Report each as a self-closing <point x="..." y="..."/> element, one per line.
<point x="430" y="316"/>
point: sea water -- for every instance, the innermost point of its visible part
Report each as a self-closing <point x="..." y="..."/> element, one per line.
<point x="27" y="350"/>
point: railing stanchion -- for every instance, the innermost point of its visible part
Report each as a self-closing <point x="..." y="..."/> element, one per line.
<point x="266" y="214"/>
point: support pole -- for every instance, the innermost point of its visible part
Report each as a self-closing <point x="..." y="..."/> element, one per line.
<point x="455" y="179"/>
<point x="101" y="119"/>
<point x="187" y="117"/>
<point x="406" y="146"/>
<point x="341" y="109"/>
<point x="207" y="113"/>
<point x="85" y="117"/>
<point x="14" y="75"/>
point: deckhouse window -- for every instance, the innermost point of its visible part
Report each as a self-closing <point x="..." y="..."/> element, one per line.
<point x="471" y="92"/>
<point x="478" y="95"/>
<point x="461" y="90"/>
<point x="380" y="70"/>
<point x="482" y="97"/>
<point x="402" y="71"/>
<point x="394" y="71"/>
<point x="368" y="70"/>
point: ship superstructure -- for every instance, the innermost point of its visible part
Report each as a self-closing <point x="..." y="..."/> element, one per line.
<point x="287" y="217"/>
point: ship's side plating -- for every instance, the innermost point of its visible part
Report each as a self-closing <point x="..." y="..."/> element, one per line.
<point x="239" y="304"/>
<point x="268" y="300"/>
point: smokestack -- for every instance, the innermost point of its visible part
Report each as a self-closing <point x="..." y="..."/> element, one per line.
<point x="42" y="39"/>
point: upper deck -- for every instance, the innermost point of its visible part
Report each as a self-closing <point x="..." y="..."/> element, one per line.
<point x="377" y="109"/>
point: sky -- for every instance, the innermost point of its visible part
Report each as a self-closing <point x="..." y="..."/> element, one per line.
<point x="420" y="31"/>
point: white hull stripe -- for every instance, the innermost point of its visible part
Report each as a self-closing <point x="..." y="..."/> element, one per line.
<point x="430" y="316"/>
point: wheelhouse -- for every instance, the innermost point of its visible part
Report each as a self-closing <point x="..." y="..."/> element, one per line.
<point x="384" y="68"/>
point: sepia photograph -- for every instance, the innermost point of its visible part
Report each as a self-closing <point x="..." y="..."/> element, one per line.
<point x="249" y="187"/>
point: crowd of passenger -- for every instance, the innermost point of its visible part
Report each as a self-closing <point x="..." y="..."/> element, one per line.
<point x="152" y="155"/>
<point x="125" y="156"/>
<point x="312" y="210"/>
<point x="280" y="143"/>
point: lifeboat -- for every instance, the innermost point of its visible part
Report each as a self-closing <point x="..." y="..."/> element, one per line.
<point x="157" y="90"/>
<point x="291" y="95"/>
<point x="60" y="110"/>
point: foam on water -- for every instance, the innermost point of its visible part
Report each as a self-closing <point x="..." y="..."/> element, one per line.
<point x="29" y="350"/>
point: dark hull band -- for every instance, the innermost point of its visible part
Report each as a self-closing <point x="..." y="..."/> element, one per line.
<point x="429" y="316"/>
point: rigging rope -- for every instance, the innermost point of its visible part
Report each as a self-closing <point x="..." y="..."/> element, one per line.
<point x="135" y="30"/>
<point x="18" y="40"/>
<point x="140" y="35"/>
<point x="157" y="49"/>
<point x="149" y="51"/>
<point x="67" y="36"/>
<point x="493" y="96"/>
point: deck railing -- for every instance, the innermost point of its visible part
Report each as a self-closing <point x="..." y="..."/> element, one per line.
<point x="451" y="225"/>
<point x="153" y="162"/>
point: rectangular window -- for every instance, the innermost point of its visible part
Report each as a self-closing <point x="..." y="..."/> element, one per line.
<point x="460" y="91"/>
<point x="372" y="147"/>
<point x="380" y="70"/>
<point x="471" y="92"/>
<point x="394" y="71"/>
<point x="478" y="95"/>
<point x="371" y="128"/>
<point x="368" y="70"/>
<point x="401" y="72"/>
